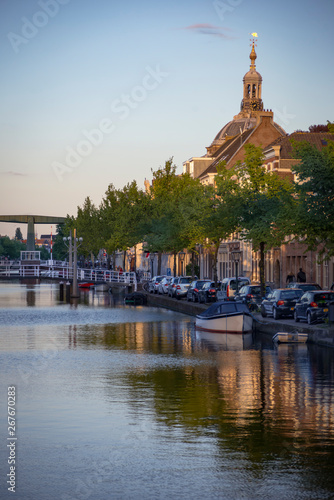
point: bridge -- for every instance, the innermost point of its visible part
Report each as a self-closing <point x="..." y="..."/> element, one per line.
<point x="31" y="220"/>
<point x="59" y="270"/>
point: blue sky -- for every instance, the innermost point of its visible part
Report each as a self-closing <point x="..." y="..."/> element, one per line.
<point x="100" y="92"/>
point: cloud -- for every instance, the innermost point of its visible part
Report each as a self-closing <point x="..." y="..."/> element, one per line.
<point x="10" y="172"/>
<point x="209" y="29"/>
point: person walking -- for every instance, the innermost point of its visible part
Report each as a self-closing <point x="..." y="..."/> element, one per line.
<point x="301" y="276"/>
<point x="290" y="278"/>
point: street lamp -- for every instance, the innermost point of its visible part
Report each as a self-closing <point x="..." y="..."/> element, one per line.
<point x="130" y="260"/>
<point x="75" y="292"/>
<point x="236" y="256"/>
<point x="152" y="257"/>
<point x="69" y="246"/>
<point x="181" y="257"/>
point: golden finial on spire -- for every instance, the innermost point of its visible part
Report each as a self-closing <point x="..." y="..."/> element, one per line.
<point x="253" y="55"/>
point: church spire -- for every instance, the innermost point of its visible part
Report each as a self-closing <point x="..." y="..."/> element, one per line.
<point x="253" y="56"/>
<point x="252" y="85"/>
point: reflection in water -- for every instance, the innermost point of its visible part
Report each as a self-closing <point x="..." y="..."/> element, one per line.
<point x="137" y="392"/>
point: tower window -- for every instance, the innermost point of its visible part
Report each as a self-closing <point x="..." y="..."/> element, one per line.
<point x="254" y="91"/>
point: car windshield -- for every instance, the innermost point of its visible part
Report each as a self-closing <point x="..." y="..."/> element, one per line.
<point x="233" y="284"/>
<point x="185" y="280"/>
<point x="290" y="294"/>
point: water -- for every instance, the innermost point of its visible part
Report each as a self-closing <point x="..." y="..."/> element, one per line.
<point x="123" y="402"/>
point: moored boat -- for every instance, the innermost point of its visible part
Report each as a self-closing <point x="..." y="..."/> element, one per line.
<point x="290" y="337"/>
<point x="225" y="317"/>
<point x="86" y="285"/>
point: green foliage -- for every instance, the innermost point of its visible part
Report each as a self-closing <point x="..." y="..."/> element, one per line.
<point x="314" y="213"/>
<point x="265" y="200"/>
<point x="10" y="248"/>
<point x="18" y="234"/>
<point x="177" y="209"/>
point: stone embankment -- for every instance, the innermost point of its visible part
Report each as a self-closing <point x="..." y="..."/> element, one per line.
<point x="321" y="334"/>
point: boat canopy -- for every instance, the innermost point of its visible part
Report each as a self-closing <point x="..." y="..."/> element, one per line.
<point x="224" y="307"/>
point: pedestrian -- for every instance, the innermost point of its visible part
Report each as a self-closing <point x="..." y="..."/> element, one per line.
<point x="290" y="277"/>
<point x="301" y="276"/>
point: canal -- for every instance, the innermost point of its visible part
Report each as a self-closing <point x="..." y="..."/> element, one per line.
<point x="121" y="402"/>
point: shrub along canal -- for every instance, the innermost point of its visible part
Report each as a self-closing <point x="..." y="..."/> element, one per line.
<point x="123" y="402"/>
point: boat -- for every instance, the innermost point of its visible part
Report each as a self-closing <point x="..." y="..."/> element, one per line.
<point x="102" y="287"/>
<point x="225" y="317"/>
<point x="290" y="337"/>
<point x="136" y="298"/>
<point x="86" y="285"/>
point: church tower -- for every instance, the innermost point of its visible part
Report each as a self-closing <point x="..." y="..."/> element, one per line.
<point x="252" y="87"/>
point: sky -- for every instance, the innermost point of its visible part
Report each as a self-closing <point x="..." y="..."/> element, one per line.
<point x="99" y="92"/>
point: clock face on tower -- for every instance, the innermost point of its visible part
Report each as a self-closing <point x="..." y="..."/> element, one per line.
<point x="255" y="105"/>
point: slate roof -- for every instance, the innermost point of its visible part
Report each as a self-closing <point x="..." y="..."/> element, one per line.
<point x="227" y="151"/>
<point x="317" y="139"/>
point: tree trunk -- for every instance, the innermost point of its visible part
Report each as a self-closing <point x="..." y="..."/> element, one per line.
<point x="214" y="265"/>
<point x="174" y="267"/>
<point x="261" y="266"/>
<point x="159" y="264"/>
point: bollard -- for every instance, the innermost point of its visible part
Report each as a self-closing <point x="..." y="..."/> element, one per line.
<point x="61" y="291"/>
<point x="68" y="291"/>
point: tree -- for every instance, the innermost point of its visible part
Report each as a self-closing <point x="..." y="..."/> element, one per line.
<point x="265" y="201"/>
<point x="222" y="219"/>
<point x="176" y="212"/>
<point x="11" y="248"/>
<point x="314" y="215"/>
<point x="88" y="225"/>
<point x="18" y="234"/>
<point x="121" y="213"/>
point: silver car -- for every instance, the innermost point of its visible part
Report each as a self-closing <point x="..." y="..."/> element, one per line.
<point x="172" y="286"/>
<point x="163" y="285"/>
<point x="182" y="286"/>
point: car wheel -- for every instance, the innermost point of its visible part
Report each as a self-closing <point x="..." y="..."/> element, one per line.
<point x="276" y="314"/>
<point x="295" y="316"/>
<point x="194" y="298"/>
<point x="309" y="318"/>
<point x="263" y="312"/>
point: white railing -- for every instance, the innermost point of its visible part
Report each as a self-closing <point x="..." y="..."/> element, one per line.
<point x="63" y="271"/>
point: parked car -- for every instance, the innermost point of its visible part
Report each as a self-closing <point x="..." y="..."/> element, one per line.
<point x="251" y="295"/>
<point x="163" y="285"/>
<point x="172" y="286"/>
<point x="304" y="286"/>
<point x="154" y="283"/>
<point x="208" y="292"/>
<point x="281" y="302"/>
<point x="182" y="286"/>
<point x="228" y="287"/>
<point x="195" y="287"/>
<point x="313" y="306"/>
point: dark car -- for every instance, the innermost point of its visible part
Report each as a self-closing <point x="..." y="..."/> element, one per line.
<point x="304" y="286"/>
<point x="195" y="286"/>
<point x="281" y="302"/>
<point x="207" y="293"/>
<point x="251" y="295"/>
<point x="313" y="306"/>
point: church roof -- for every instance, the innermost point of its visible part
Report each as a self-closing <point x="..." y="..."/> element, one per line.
<point x="317" y="139"/>
<point x="227" y="151"/>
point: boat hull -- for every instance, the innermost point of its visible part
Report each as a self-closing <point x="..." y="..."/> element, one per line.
<point x="231" y="324"/>
<point x="290" y="338"/>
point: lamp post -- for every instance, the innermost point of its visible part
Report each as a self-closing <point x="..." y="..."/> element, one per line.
<point x="181" y="257"/>
<point x="236" y="256"/>
<point x="75" y="292"/>
<point x="130" y="260"/>
<point x="152" y="256"/>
